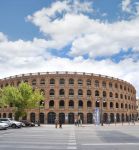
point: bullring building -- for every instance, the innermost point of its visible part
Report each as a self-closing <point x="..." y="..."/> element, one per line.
<point x="71" y="94"/>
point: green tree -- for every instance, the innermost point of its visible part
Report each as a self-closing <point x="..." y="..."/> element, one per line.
<point x="22" y="98"/>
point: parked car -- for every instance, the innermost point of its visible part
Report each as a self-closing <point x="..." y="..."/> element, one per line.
<point x="28" y="123"/>
<point x="3" y="126"/>
<point x="11" y="123"/>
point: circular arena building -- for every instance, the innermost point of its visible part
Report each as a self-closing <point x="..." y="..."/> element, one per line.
<point x="69" y="95"/>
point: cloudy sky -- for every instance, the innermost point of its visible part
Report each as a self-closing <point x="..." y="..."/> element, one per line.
<point x="94" y="36"/>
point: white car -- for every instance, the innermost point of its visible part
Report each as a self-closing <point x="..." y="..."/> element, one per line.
<point x="11" y="123"/>
<point x="3" y="126"/>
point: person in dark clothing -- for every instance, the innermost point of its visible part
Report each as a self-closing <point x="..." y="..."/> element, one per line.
<point x="60" y="123"/>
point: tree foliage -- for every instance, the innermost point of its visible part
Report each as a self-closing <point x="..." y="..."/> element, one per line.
<point x="22" y="98"/>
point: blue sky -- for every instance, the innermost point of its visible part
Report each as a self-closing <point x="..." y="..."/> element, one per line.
<point x="48" y="35"/>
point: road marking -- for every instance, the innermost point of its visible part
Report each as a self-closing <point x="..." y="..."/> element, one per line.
<point x="72" y="141"/>
<point x="71" y="147"/>
<point x="109" y="144"/>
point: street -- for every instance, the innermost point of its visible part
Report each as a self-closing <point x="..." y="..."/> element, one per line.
<point x="85" y="137"/>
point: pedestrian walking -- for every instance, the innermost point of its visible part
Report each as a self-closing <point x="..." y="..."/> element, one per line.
<point x="75" y="122"/>
<point x="56" y="122"/>
<point x="60" y="123"/>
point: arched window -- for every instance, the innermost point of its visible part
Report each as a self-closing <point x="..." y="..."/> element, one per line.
<point x="89" y="92"/>
<point x="116" y="86"/>
<point x="104" y="84"/>
<point x="71" y="103"/>
<point x="34" y="82"/>
<point x="61" y="92"/>
<point x="125" y="105"/>
<point x="111" y="94"/>
<point x="110" y="85"/>
<point x="89" y="104"/>
<point x="116" y="95"/>
<point x="104" y="94"/>
<point x="117" y="105"/>
<point x="71" y="92"/>
<point x="121" y="96"/>
<point x="62" y="81"/>
<point x="80" y="92"/>
<point x="51" y="103"/>
<point x="80" y="103"/>
<point x="121" y="87"/>
<point x="71" y="81"/>
<point x="125" y="88"/>
<point x="96" y="83"/>
<point x="52" y="81"/>
<point x="97" y="104"/>
<point x="125" y="97"/>
<point x="80" y="82"/>
<point x="111" y="104"/>
<point x="96" y="93"/>
<point x="52" y="92"/>
<point x="61" y="103"/>
<point x="88" y="82"/>
<point x="42" y="82"/>
<point x="122" y="105"/>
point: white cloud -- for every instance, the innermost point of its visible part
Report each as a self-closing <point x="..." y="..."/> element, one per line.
<point x="86" y="35"/>
<point x="2" y="37"/>
<point x="126" y="5"/>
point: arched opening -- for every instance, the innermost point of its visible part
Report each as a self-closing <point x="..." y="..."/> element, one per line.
<point x="71" y="118"/>
<point x="4" y="115"/>
<point x="52" y="81"/>
<point x="97" y="104"/>
<point x="32" y="117"/>
<point x="111" y="105"/>
<point x="89" y="104"/>
<point x="51" y="117"/>
<point x="71" y="92"/>
<point x="96" y="93"/>
<point x="51" y="104"/>
<point x="88" y="92"/>
<point x="89" y="118"/>
<point x="96" y="83"/>
<point x="105" y="117"/>
<point x="61" y="103"/>
<point x="88" y="82"/>
<point x="117" y="117"/>
<point x="62" y="117"/>
<point x="80" y="82"/>
<point x="71" y="103"/>
<point x="111" y="117"/>
<point x="104" y="84"/>
<point x="41" y="117"/>
<point x="62" y="81"/>
<point x="80" y="92"/>
<point x="42" y="82"/>
<point x="71" y="81"/>
<point x="104" y="94"/>
<point x="123" y="119"/>
<point x="80" y="104"/>
<point x="61" y="92"/>
<point x="52" y="92"/>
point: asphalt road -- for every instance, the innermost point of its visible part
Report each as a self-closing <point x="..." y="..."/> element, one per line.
<point x="87" y="137"/>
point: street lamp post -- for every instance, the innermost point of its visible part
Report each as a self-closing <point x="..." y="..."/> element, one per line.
<point x="40" y="103"/>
